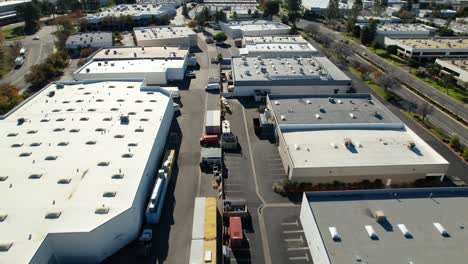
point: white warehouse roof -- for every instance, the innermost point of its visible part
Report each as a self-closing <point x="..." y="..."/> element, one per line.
<point x="162" y="32"/>
<point x="69" y="167"/>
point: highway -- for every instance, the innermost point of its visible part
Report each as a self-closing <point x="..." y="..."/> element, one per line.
<point x="449" y="125"/>
<point x="36" y="52"/>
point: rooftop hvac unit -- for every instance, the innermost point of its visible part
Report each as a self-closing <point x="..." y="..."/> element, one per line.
<point x="277" y="103"/>
<point x="308" y="102"/>
<point x="283" y="117"/>
<point x="441" y="229"/>
<point x="348" y="143"/>
<point x="297" y="147"/>
<point x="352" y="116"/>
<point x="371" y="232"/>
<point x="411" y="145"/>
<point x="331" y="100"/>
<point x="318" y="116"/>
<point x="88" y="70"/>
<point x="334" y="234"/>
<point x="379" y="216"/>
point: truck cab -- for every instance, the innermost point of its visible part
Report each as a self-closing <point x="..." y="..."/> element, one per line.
<point x="236" y="234"/>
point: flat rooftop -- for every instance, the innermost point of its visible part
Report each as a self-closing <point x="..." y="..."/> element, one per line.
<point x="132" y="65"/>
<point x="416" y="209"/>
<point x="250" y="25"/>
<point x="162" y="32"/>
<point x="279" y="48"/>
<point x="133" y="10"/>
<point x="435" y="43"/>
<point x="334" y="109"/>
<point x="68" y="158"/>
<point x="141" y="53"/>
<point x="323" y="125"/>
<point x="404" y="27"/>
<point x="13" y="2"/>
<point x="90" y="38"/>
<point x="311" y="68"/>
<point x="275" y="39"/>
<point x="461" y="64"/>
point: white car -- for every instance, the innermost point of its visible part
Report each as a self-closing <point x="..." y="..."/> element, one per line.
<point x="36" y="38"/>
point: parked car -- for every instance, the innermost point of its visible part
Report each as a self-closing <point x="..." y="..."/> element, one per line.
<point x="209" y="139"/>
<point x="36" y="38"/>
<point x="212" y="87"/>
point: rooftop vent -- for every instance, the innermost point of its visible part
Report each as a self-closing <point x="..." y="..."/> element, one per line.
<point x="35" y="176"/>
<point x="3" y="178"/>
<point x="283" y="117"/>
<point x="102" y="210"/>
<point x="379" y="216"/>
<point x="107" y="119"/>
<point x="62" y="144"/>
<point x="404" y="231"/>
<point x="3" y="217"/>
<point x="132" y="144"/>
<point x="139" y="130"/>
<point x="119" y="136"/>
<point x="45" y="120"/>
<point x="91" y="142"/>
<point x="74" y="130"/>
<point x="99" y="129"/>
<point x="35" y="144"/>
<point x="12" y="134"/>
<point x="60" y="119"/>
<point x="318" y="116"/>
<point x="53" y="215"/>
<point x="58" y="129"/>
<point x="114" y="109"/>
<point x="51" y="158"/>
<point x="334" y="234"/>
<point x="441" y="229"/>
<point x="109" y="194"/>
<point x="84" y="119"/>
<point x="64" y="181"/>
<point x="20" y="121"/>
<point x="71" y="109"/>
<point x="118" y="176"/>
<point x="411" y="145"/>
<point x="277" y="103"/>
<point x="25" y="154"/>
<point x="17" y="145"/>
<point x="103" y="163"/>
<point x="371" y="232"/>
<point x="100" y="100"/>
<point x="148" y="110"/>
<point x="352" y="116"/>
<point x="92" y="110"/>
<point x="144" y="119"/>
<point x="127" y="155"/>
<point x="5" y="246"/>
<point x="348" y="143"/>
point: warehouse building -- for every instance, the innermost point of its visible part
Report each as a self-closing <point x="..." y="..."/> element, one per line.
<point x="139" y="14"/>
<point x="273" y="46"/>
<point x="348" y="138"/>
<point x="157" y="65"/>
<point x="78" y="162"/>
<point x="160" y="36"/>
<point x="380" y="19"/>
<point x="386" y="226"/>
<point x="403" y="31"/>
<point x="430" y="48"/>
<point x="320" y="7"/>
<point x="238" y="29"/>
<point x="89" y="40"/>
<point x="456" y="68"/>
<point x="293" y="75"/>
<point x="8" y="10"/>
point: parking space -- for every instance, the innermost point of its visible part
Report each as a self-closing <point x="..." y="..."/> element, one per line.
<point x="285" y="235"/>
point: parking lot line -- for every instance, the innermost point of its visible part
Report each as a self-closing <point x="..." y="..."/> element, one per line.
<point x="297" y="249"/>
<point x="293" y="231"/>
<point x="306" y="258"/>
<point x="290" y="223"/>
<point x="295" y="239"/>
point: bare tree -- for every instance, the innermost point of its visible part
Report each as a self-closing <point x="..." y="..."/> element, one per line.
<point x="424" y="110"/>
<point x="312" y="29"/>
<point x="366" y="70"/>
<point x="387" y="81"/>
<point x="342" y="51"/>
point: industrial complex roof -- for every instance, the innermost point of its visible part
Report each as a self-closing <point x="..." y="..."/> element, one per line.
<point x="458" y="66"/>
<point x="324" y="123"/>
<point x="141" y="53"/>
<point x="68" y="163"/>
<point x="404" y="27"/>
<point x="416" y="210"/>
<point x="332" y="109"/>
<point x="275" y="39"/>
<point x="135" y="11"/>
<point x="162" y="32"/>
<point x="131" y="65"/>
<point x="250" y="25"/>
<point x="311" y="68"/>
<point x="101" y="39"/>
<point x="435" y="43"/>
<point x="277" y="45"/>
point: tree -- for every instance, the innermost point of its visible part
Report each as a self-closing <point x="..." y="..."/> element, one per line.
<point x="249" y="12"/>
<point x="366" y="35"/>
<point x="342" y="51"/>
<point x="234" y="15"/>
<point x="333" y="11"/>
<point x="256" y="14"/>
<point x="445" y="32"/>
<point x="65" y="23"/>
<point x="356" y="31"/>
<point x="293" y="17"/>
<point x="84" y="53"/>
<point x="358" y="5"/>
<point x="219" y="58"/>
<point x="350" y="23"/>
<point x="312" y="29"/>
<point x="270" y="8"/>
<point x="293" y="5"/>
<point x="184" y="10"/>
<point x="454" y="143"/>
<point x="220" y="37"/>
<point x="220" y="16"/>
<point x="31" y="13"/>
<point x="373" y="28"/>
<point x="379" y="7"/>
<point x="392" y="49"/>
<point x="387" y="81"/>
<point x="192" y="24"/>
<point x="424" y="110"/>
<point x="9" y="98"/>
<point x="365" y="70"/>
<point x="203" y="17"/>
<point x="375" y="45"/>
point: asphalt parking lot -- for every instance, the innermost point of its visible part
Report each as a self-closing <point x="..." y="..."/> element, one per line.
<point x="286" y="236"/>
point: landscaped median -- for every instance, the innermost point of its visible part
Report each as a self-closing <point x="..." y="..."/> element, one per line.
<point x="7" y="59"/>
<point x="286" y="186"/>
<point x="454" y="92"/>
<point x="15" y="33"/>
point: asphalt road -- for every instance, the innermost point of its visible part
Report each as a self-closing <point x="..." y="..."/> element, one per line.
<point x="449" y="103"/>
<point x="36" y="52"/>
<point x="449" y="125"/>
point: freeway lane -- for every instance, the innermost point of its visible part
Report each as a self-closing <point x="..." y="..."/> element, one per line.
<point x="36" y="52"/>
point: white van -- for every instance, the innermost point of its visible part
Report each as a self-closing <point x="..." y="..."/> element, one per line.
<point x="173" y="90"/>
<point x="212" y="87"/>
<point x="22" y="52"/>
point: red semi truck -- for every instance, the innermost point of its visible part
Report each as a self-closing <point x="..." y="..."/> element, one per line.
<point x="236" y="235"/>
